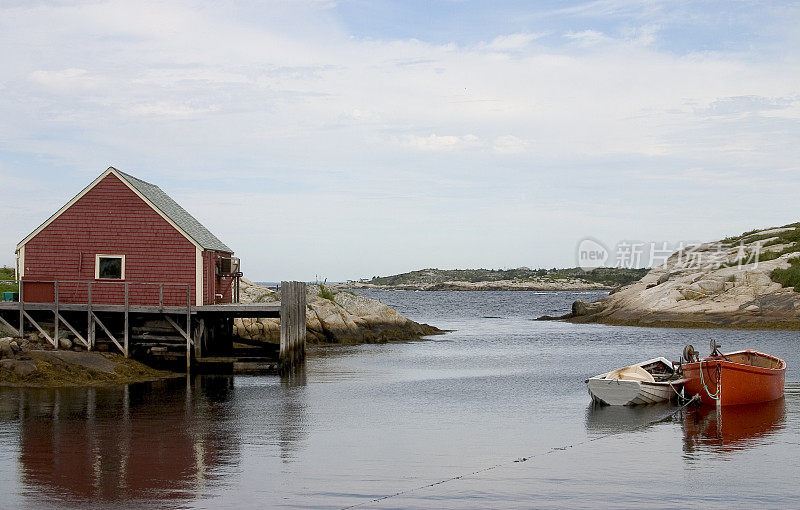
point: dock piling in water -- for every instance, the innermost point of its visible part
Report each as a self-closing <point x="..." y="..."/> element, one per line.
<point x="293" y="325"/>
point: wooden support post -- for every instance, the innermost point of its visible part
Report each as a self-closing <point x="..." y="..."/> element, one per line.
<point x="179" y="329"/>
<point x="125" y="337"/>
<point x="293" y="325"/>
<point x="89" y="320"/>
<point x="55" y="314"/>
<point x="188" y="329"/>
<point x="74" y="331"/>
<point x="9" y="326"/>
<point x="285" y="350"/>
<point x="199" y="339"/>
<point x="42" y="331"/>
<point x="21" y="309"/>
<point x="107" y="332"/>
<point x="92" y="332"/>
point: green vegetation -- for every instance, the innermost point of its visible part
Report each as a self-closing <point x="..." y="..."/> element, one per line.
<point x="325" y="293"/>
<point x="789" y="277"/>
<point x="789" y="237"/>
<point x="7" y="281"/>
<point x="610" y="276"/>
<point x="752" y="236"/>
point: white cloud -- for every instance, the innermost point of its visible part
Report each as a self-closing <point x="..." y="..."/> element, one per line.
<point x="66" y="80"/>
<point x="508" y="42"/>
<point x="509" y="144"/>
<point x="588" y="37"/>
<point x="436" y="142"/>
<point x="166" y="109"/>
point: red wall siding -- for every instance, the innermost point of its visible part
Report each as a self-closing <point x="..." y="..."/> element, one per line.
<point x="111" y="219"/>
<point x="213" y="284"/>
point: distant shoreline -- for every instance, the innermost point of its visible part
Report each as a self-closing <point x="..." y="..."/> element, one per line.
<point x="483" y="286"/>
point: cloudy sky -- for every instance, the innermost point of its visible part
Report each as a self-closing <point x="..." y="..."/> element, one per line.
<point x="347" y="139"/>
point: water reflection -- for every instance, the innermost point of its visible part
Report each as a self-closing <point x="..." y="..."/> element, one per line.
<point x="603" y="419"/>
<point x="156" y="441"/>
<point x="731" y="428"/>
<point x="292" y="424"/>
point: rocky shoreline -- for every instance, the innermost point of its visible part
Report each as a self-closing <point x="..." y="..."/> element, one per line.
<point x="725" y="284"/>
<point x="334" y="315"/>
<point x="522" y="285"/>
<point x="24" y="363"/>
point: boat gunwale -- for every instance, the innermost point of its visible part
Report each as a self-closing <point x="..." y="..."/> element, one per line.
<point x="733" y="365"/>
<point x="600" y="377"/>
<point x="662" y="359"/>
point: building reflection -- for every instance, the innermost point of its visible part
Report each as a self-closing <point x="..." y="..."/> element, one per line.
<point x="151" y="443"/>
<point x="731" y="428"/>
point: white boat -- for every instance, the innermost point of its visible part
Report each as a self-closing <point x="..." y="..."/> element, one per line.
<point x="648" y="382"/>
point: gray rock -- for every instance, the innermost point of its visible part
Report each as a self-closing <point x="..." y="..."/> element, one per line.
<point x="21" y="368"/>
<point x="15" y="346"/>
<point x="65" y="343"/>
<point x="581" y="308"/>
<point x="664" y="278"/>
<point x="5" y="347"/>
<point x="24" y="368"/>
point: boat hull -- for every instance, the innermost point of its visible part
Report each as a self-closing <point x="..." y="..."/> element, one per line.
<point x="629" y="393"/>
<point x="614" y="388"/>
<point x="746" y="377"/>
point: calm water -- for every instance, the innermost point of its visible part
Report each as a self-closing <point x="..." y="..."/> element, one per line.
<point x="369" y="421"/>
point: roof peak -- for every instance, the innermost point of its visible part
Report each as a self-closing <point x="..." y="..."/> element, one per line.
<point x="155" y="197"/>
<point x="174" y="212"/>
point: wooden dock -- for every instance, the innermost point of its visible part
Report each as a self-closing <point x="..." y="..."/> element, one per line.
<point x="148" y="326"/>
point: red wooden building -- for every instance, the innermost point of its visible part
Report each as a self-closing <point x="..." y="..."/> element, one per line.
<point x="123" y="232"/>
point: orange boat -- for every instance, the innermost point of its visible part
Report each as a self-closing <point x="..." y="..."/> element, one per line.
<point x="739" y="377"/>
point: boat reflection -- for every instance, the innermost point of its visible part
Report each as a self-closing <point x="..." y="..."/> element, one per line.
<point x="603" y="419"/>
<point x="731" y="428"/>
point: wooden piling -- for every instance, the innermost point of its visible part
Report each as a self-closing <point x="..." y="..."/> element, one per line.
<point x="293" y="325"/>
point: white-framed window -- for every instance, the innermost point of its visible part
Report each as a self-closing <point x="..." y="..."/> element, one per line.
<point x="109" y="267"/>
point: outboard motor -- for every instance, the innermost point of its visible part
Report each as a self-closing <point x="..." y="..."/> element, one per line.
<point x="690" y="354"/>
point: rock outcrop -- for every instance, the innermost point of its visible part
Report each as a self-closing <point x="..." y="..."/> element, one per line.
<point x="333" y="316"/>
<point x="24" y="363"/>
<point x="723" y="284"/>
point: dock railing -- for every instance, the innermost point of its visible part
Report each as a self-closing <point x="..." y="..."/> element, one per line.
<point x="66" y="298"/>
<point x="51" y="294"/>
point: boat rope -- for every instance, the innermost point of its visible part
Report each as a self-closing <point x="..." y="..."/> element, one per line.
<point x="681" y="397"/>
<point x="552" y="450"/>
<point x="714" y="395"/>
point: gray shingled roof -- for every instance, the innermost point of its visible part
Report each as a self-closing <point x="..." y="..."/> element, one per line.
<point x="177" y="214"/>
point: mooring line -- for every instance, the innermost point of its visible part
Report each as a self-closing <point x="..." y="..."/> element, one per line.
<point x="524" y="459"/>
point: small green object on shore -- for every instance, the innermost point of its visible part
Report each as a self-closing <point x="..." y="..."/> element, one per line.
<point x="10" y="296"/>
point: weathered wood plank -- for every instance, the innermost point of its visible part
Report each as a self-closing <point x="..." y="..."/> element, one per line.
<point x="74" y="331"/>
<point x="107" y="332"/>
<point x="199" y="338"/>
<point x="293" y="324"/>
<point x="37" y="326"/>
<point x="179" y="329"/>
<point x="126" y="336"/>
<point x="9" y="326"/>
